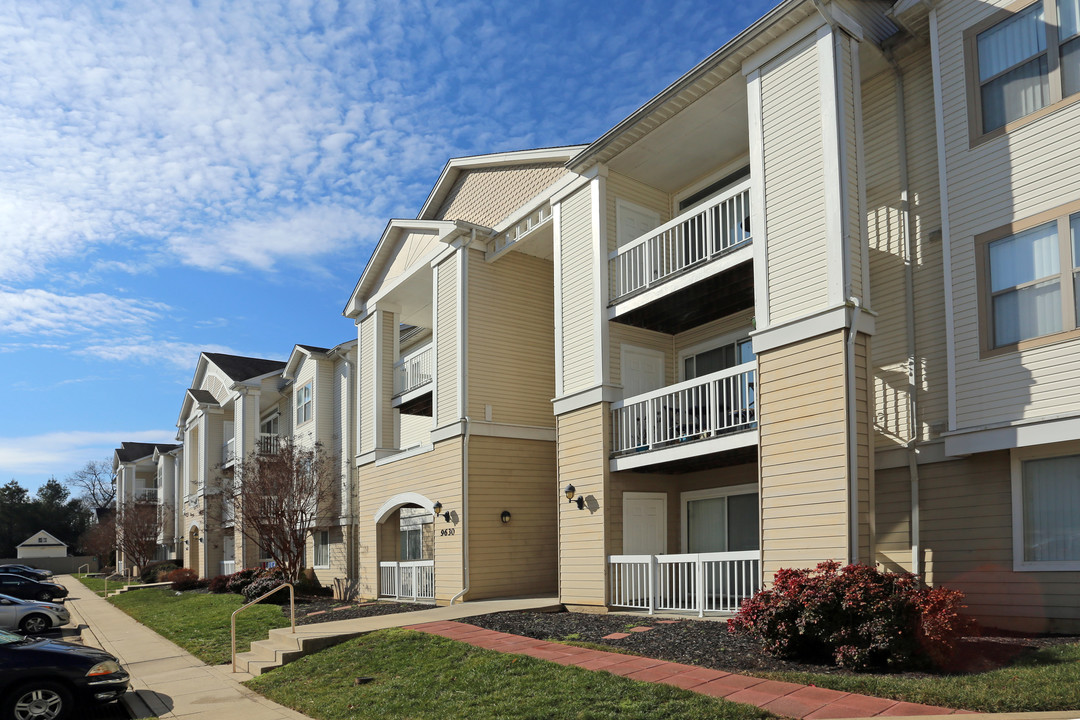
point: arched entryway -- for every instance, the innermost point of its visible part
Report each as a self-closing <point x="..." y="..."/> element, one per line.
<point x="193" y="550"/>
<point x="405" y="547"/>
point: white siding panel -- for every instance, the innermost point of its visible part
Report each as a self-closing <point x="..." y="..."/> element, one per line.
<point x="577" y="274"/>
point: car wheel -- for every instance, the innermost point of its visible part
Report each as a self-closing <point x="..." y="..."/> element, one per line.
<point x="41" y="700"/>
<point x="44" y="596"/>
<point x="35" y="624"/>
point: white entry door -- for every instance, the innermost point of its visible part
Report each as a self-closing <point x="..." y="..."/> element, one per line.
<point x="644" y="523"/>
<point x="642" y="370"/>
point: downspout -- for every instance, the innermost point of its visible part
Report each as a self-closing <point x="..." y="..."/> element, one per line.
<point x="909" y="309"/>
<point x="464" y="511"/>
<point x="853" y="436"/>
<point x="351" y="549"/>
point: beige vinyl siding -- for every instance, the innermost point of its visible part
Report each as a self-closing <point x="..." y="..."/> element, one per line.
<point x="577" y="276"/>
<point x="853" y="222"/>
<point x="583" y="462"/>
<point x="366" y="383"/>
<point x="871" y="16"/>
<point x="488" y="195"/>
<point x="621" y="335"/>
<point x="511" y="339"/>
<point x="519" y="557"/>
<point x="305" y="434"/>
<point x="437" y="476"/>
<point x="411" y="247"/>
<point x="325" y="575"/>
<point x="884" y="220"/>
<point x="966" y="536"/>
<point x="1030" y="169"/>
<point x="794" y="184"/>
<point x="892" y="506"/>
<point x="626" y="188"/>
<point x="803" y="453"/>
<point x="446" y="353"/>
<point x="414" y="430"/>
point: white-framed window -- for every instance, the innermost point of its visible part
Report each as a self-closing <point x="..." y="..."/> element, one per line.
<point x="1030" y="281"/>
<point x="303" y="404"/>
<point x="722" y="519"/>
<point x="1046" y="509"/>
<point x="321" y="551"/>
<point x="1021" y="60"/>
<point x="715" y="356"/>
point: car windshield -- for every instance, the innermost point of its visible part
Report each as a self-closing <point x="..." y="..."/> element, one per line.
<point x="13" y="600"/>
<point x="9" y="638"/>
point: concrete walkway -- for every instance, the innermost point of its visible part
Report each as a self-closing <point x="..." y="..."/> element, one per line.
<point x="167" y="681"/>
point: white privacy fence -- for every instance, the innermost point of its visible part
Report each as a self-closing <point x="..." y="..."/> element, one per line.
<point x="711" y="405"/>
<point x="407" y="580"/>
<point x="228" y="567"/>
<point x="696" y="236"/>
<point x="413" y="371"/>
<point x="697" y="582"/>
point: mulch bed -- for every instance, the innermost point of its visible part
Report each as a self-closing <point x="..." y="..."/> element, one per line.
<point x="708" y="643"/>
<point x="319" y="610"/>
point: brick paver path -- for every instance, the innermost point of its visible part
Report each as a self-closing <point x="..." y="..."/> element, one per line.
<point x="790" y="699"/>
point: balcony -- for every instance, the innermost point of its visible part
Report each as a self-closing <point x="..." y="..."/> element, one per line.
<point x="687" y="272"/>
<point x="709" y="414"/>
<point x="412" y="379"/>
<point x="700" y="582"/>
<point x="268" y="444"/>
<point x="148" y="495"/>
<point x="228" y="451"/>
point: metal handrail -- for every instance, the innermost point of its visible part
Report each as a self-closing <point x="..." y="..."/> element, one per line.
<point x="84" y="565"/>
<point x="292" y="614"/>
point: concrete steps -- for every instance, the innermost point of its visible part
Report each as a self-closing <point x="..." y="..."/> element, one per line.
<point x="141" y="586"/>
<point x="282" y="647"/>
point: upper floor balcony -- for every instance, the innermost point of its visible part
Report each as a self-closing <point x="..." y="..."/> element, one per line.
<point x="147" y="495"/>
<point x="689" y="270"/>
<point x="712" y="413"/>
<point x="413" y="375"/>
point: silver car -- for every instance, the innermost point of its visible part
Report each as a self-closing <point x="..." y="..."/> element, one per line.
<point x="31" y="616"/>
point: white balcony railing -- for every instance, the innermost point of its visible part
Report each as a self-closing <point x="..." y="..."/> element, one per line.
<point x="696" y="236"/>
<point x="228" y="567"/>
<point x="149" y="495"/>
<point x="228" y="451"/>
<point x="268" y="443"/>
<point x="701" y="582"/>
<point x="714" y="404"/>
<point x="408" y="580"/>
<point x="413" y="371"/>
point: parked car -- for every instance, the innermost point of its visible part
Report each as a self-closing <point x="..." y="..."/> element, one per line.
<point x="31" y="573"/>
<point x="48" y="679"/>
<point x="31" y="616"/>
<point x="27" y="589"/>
<point x="43" y="571"/>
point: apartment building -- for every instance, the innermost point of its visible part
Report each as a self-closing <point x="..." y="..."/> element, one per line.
<point x="144" y="473"/>
<point x="456" y="439"/>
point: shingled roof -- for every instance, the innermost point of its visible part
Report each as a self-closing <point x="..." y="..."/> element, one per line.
<point x="241" y="368"/>
<point x="132" y="451"/>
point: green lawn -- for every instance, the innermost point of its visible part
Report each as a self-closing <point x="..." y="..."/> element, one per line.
<point x="199" y="622"/>
<point x="97" y="584"/>
<point x="1049" y="680"/>
<point x="424" y="676"/>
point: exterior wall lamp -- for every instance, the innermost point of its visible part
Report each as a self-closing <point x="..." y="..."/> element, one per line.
<point x="505" y="517"/>
<point x="439" y="513"/>
<point x="570" y="491"/>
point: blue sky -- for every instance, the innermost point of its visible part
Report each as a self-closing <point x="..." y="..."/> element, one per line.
<point x="178" y="176"/>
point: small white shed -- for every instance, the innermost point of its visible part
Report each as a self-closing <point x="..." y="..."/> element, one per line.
<point x="41" y="545"/>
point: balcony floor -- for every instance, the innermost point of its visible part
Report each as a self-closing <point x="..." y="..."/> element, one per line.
<point x="714" y="297"/>
<point x="737" y="448"/>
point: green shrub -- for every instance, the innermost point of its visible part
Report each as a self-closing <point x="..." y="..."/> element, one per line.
<point x="184" y="579"/>
<point x="153" y="571"/>
<point x="856" y="616"/>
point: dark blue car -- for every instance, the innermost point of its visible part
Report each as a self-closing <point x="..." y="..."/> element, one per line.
<point x="48" y="679"/>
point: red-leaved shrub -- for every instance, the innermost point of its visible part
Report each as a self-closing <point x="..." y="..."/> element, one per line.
<point x="855" y="616"/>
<point x="219" y="584"/>
<point x="241" y="579"/>
<point x="184" y="579"/>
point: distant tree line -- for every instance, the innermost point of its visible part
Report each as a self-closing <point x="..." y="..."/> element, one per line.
<point x="51" y="509"/>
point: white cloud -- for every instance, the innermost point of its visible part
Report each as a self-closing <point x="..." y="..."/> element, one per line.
<point x="59" y="453"/>
<point x="40" y="312"/>
<point x="150" y="351"/>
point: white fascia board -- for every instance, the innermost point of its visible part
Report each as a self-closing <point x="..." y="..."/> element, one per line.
<point x="545" y="197"/>
<point x="579" y="181"/>
<point x="831" y="319"/>
<point x="899" y="457"/>
<point x="556" y="242"/>
<point x="832" y="135"/>
<point x="783" y="43"/>
<point x="360" y="309"/>
<point x="759" y="230"/>
<point x="498" y="430"/>
<point x="297" y="356"/>
<point x="587" y="397"/>
<point x="382" y="248"/>
<point x="684" y="451"/>
<point x="454" y="166"/>
<point x="1040" y="431"/>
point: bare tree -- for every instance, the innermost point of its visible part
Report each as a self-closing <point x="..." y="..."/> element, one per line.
<point x="138" y="526"/>
<point x="93" y="483"/>
<point x="280" y="497"/>
<point x="99" y="540"/>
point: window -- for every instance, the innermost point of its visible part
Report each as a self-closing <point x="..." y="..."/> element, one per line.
<point x="1046" y="500"/>
<point x="720" y="519"/>
<point x="716" y="359"/>
<point x="322" y="549"/>
<point x="1022" y="63"/>
<point x="303" y="404"/>
<point x="1030" y="281"/>
<point x="417" y="530"/>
